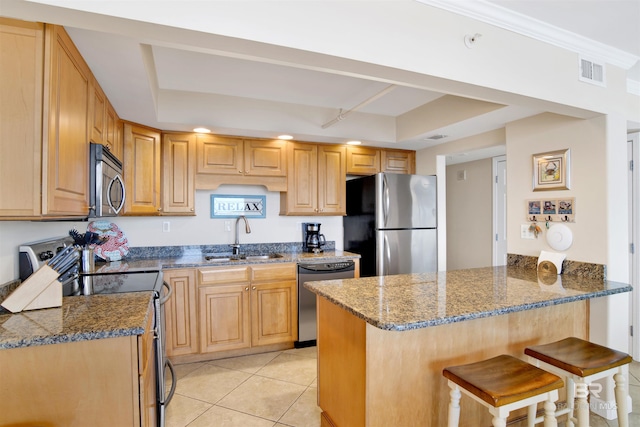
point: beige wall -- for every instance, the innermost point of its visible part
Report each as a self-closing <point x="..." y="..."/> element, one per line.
<point x="587" y="141"/>
<point x="469" y="215"/>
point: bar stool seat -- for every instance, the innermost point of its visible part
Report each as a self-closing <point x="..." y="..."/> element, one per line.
<point x="503" y="384"/>
<point x="582" y="362"/>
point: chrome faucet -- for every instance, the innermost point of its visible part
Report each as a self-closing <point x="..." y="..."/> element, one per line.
<point x="247" y="229"/>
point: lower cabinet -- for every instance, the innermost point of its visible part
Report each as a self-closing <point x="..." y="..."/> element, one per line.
<point x="102" y="382"/>
<point x="231" y="308"/>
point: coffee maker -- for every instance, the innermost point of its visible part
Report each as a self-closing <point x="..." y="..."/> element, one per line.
<point x="312" y="240"/>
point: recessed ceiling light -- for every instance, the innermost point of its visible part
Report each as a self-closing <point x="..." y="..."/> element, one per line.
<point x="354" y="142"/>
<point x="285" y="137"/>
<point x="202" y="130"/>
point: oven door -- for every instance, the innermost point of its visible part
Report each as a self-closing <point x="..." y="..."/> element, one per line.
<point x="163" y="364"/>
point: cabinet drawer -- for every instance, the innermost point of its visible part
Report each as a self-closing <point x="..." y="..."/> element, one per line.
<point x="273" y="272"/>
<point x="223" y="275"/>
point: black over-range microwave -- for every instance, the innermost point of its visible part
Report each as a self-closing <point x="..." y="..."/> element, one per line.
<point x="106" y="190"/>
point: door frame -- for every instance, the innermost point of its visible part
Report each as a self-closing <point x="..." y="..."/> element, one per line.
<point x="633" y="149"/>
<point x="498" y="218"/>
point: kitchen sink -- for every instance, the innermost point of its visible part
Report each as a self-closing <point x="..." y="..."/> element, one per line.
<point x="241" y="257"/>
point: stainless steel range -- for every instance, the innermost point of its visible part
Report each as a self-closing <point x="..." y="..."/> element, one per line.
<point x="33" y="255"/>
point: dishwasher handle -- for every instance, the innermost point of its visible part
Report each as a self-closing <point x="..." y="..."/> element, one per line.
<point x="319" y="268"/>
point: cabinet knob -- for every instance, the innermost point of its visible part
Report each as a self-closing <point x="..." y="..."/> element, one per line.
<point x="239" y="171"/>
<point x="254" y="288"/>
<point x="246" y="289"/>
<point x="191" y="209"/>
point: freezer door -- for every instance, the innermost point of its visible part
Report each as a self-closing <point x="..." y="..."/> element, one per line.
<point x="405" y="201"/>
<point x="406" y="251"/>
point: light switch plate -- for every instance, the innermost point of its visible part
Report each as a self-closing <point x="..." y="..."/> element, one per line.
<point x="525" y="233"/>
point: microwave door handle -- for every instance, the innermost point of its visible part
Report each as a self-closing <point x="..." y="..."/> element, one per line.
<point x="109" y="201"/>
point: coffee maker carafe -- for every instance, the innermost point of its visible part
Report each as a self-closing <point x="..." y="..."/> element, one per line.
<point x="312" y="240"/>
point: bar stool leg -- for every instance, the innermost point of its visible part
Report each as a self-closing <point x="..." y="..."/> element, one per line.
<point x="582" y="393"/>
<point x="620" y="391"/>
<point x="550" y="414"/>
<point x="454" y="407"/>
<point x="571" y="396"/>
<point x="531" y="415"/>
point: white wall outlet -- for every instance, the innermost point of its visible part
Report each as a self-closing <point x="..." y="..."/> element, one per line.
<point x="525" y="233"/>
<point x="227" y="226"/>
<point x="166" y="227"/>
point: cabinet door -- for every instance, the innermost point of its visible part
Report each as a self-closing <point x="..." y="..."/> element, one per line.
<point x="301" y="197"/>
<point x="21" y="71"/>
<point x="363" y="161"/>
<point x="332" y="180"/>
<point x="67" y="144"/>
<point x="273" y="317"/>
<point x="97" y="114"/>
<point x="398" y="161"/>
<point x="141" y="170"/>
<point x="178" y="178"/>
<point x="114" y="133"/>
<point x="180" y="313"/>
<point x="224" y="317"/>
<point x="147" y="378"/>
<point x="265" y="158"/>
<point x="219" y="155"/>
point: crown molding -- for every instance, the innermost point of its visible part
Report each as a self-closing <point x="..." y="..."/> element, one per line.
<point x="502" y="17"/>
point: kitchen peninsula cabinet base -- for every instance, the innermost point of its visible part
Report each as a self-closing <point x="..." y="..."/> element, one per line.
<point x="84" y="383"/>
<point x="373" y="377"/>
<point x="203" y="357"/>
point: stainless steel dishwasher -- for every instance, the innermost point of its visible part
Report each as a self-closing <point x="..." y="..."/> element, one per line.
<point x="310" y="272"/>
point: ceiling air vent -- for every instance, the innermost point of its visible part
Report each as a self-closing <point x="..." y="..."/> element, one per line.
<point x="591" y="72"/>
<point x="435" y="137"/>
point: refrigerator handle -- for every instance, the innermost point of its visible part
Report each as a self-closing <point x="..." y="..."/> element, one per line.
<point x="386" y="257"/>
<point x="385" y="202"/>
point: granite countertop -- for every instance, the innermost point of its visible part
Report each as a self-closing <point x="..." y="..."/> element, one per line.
<point x="197" y="260"/>
<point x="80" y="318"/>
<point x="412" y="301"/>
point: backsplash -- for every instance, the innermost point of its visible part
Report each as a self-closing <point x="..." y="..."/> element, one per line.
<point x="150" y="252"/>
<point x="577" y="268"/>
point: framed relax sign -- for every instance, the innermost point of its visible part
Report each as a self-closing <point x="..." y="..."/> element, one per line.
<point x="226" y="206"/>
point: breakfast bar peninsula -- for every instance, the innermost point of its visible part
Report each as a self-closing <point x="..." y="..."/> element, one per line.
<point x="383" y="341"/>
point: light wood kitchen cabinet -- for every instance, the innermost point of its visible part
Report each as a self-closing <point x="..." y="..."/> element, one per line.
<point x="178" y="173"/>
<point x="181" y="312"/>
<point x="97" y="113"/>
<point x="316" y="181"/>
<point x="21" y="85"/>
<point x="369" y="161"/>
<point x="142" y="154"/>
<point x="65" y="134"/>
<point x="110" y="381"/>
<point x="398" y="161"/>
<point x="114" y="141"/>
<point x="362" y="160"/>
<point x="247" y="306"/>
<point x="231" y="160"/>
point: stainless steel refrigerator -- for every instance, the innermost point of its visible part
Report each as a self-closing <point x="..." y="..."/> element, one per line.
<point x="391" y="223"/>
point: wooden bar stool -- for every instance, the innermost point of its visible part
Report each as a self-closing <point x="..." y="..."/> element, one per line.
<point x="582" y="362"/>
<point x="503" y="384"/>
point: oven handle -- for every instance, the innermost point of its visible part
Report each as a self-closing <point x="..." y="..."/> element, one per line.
<point x="165" y="298"/>
<point x="169" y="365"/>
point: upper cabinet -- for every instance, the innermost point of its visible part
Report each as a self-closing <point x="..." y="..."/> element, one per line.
<point x="104" y="124"/>
<point x="362" y="160"/>
<point x="398" y="161"/>
<point x="21" y="68"/>
<point x="65" y="133"/>
<point x="316" y="180"/>
<point x="178" y="173"/>
<point x="230" y="160"/>
<point x="369" y="161"/>
<point x="142" y="154"/>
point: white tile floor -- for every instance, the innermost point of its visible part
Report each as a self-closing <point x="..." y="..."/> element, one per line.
<point x="277" y="389"/>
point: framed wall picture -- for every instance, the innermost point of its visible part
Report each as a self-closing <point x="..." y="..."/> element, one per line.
<point x="551" y="171"/>
<point x="232" y="206"/>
